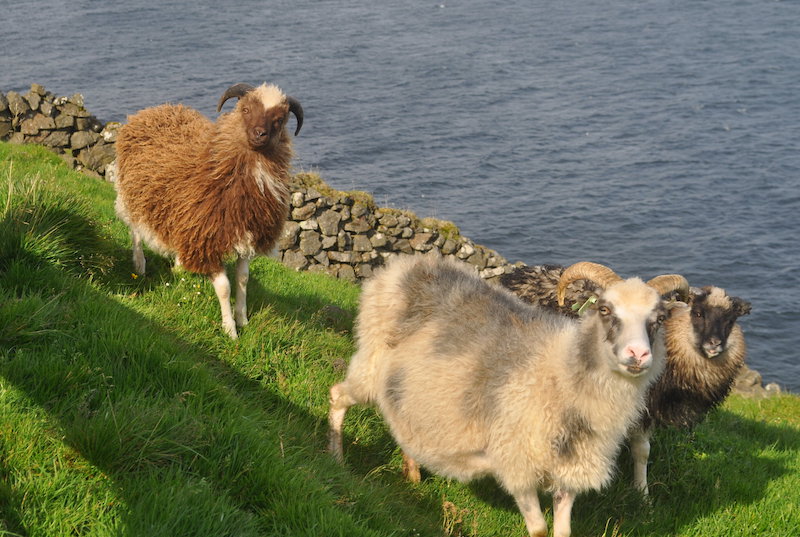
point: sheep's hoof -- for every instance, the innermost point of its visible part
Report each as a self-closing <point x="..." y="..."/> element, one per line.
<point x="411" y="469"/>
<point x="230" y="330"/>
<point x="241" y="321"/>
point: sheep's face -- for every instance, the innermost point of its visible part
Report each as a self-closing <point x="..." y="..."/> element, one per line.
<point x="714" y="315"/>
<point x="630" y="314"/>
<point x="264" y="113"/>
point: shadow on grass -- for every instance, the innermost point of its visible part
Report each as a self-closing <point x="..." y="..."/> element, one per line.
<point x="175" y="427"/>
<point x="192" y="446"/>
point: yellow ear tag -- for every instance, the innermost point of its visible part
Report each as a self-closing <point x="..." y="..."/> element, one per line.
<point x="583" y="307"/>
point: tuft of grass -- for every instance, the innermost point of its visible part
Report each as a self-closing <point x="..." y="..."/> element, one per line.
<point x="125" y="410"/>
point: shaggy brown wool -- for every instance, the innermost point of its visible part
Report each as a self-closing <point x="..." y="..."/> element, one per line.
<point x="207" y="193"/>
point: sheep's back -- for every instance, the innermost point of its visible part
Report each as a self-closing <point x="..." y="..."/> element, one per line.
<point x="470" y="379"/>
<point x="157" y="151"/>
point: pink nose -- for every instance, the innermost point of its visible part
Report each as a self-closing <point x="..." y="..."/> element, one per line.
<point x="638" y="354"/>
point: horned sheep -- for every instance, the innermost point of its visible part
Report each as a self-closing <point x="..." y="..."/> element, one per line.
<point x="473" y="381"/>
<point x="705" y="352"/>
<point x="204" y="191"/>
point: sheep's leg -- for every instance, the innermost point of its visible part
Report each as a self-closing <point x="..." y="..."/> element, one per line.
<point x="528" y="503"/>
<point x="222" y="286"/>
<point x="242" y="276"/>
<point x="562" y="512"/>
<point x="340" y="401"/>
<point x="411" y="469"/>
<point x="640" y="449"/>
<point x="138" y="253"/>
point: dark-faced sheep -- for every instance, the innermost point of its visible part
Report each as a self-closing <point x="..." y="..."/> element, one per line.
<point x="473" y="381"/>
<point x="705" y="352"/>
<point x="203" y="191"/>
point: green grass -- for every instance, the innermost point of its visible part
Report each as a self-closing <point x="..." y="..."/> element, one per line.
<point x="125" y="410"/>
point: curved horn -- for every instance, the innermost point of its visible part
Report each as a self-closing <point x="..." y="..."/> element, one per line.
<point x="667" y="283"/>
<point x="600" y="275"/>
<point x="237" y="90"/>
<point x="297" y="110"/>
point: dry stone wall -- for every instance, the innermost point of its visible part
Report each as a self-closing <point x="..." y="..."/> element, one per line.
<point x="344" y="234"/>
<point x="60" y="123"/>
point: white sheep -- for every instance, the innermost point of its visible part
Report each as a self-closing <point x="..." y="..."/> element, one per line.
<point x="705" y="352"/>
<point x="203" y="191"/>
<point x="472" y="381"/>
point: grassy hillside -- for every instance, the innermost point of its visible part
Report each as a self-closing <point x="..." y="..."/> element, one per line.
<point x="124" y="409"/>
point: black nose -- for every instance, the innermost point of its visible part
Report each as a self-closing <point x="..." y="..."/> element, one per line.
<point x="258" y="131"/>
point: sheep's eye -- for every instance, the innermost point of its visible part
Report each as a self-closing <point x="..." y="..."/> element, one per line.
<point x="604" y="310"/>
<point x="698" y="313"/>
<point x="661" y="319"/>
<point x="245" y="110"/>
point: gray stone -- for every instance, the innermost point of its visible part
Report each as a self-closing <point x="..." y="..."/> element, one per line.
<point x="298" y="199"/>
<point x="388" y="220"/>
<point x="492" y="272"/>
<point x="36" y="123"/>
<point x="344" y="240"/>
<point x="324" y="202"/>
<point x="329" y="242"/>
<point x="65" y="121"/>
<point x="3" y="103"/>
<point x="109" y="132"/>
<point x="358" y="225"/>
<point x="288" y="238"/>
<point x="403" y="221"/>
<point x="310" y="243"/>
<point x="81" y="139"/>
<point x="56" y="139"/>
<point x="403" y="246"/>
<point x="47" y="109"/>
<point x="406" y="232"/>
<point x="369" y="257"/>
<point x="361" y="243"/>
<point x="364" y="270"/>
<point x="34" y="100"/>
<point x="341" y="257"/>
<point x="17" y="105"/>
<point x="312" y="194"/>
<point x="449" y="247"/>
<point x="5" y="129"/>
<point x="96" y="157"/>
<point x="329" y="222"/>
<point x="477" y="259"/>
<point x="295" y="260"/>
<point x="378" y="240"/>
<point x="346" y="272"/>
<point x="358" y="210"/>
<point x="71" y="110"/>
<point x="310" y="224"/>
<point x="77" y="100"/>
<point x="322" y="259"/>
<point x="465" y="251"/>
<point x="421" y="242"/>
<point x="304" y="212"/>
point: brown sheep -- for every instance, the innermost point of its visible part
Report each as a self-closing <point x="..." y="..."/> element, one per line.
<point x="203" y="191"/>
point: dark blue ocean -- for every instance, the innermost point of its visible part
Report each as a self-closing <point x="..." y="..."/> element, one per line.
<point x="651" y="136"/>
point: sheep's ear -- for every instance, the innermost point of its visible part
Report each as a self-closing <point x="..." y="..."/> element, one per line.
<point x="740" y="307"/>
